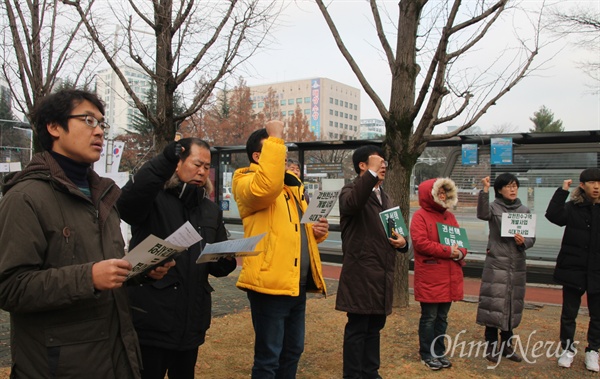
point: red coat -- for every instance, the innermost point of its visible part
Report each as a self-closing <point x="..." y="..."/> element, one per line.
<point x="438" y="278"/>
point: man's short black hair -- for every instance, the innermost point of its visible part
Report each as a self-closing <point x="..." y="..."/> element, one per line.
<point x="55" y="109"/>
<point x="187" y="143"/>
<point x="254" y="143"/>
<point x="504" y="180"/>
<point x="362" y="155"/>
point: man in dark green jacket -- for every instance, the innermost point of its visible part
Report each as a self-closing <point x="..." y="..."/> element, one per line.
<point x="61" y="266"/>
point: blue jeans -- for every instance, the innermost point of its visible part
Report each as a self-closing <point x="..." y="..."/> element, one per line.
<point x="432" y="327"/>
<point x="279" y="333"/>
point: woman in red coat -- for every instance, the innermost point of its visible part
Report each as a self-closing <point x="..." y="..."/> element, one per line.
<point x="438" y="268"/>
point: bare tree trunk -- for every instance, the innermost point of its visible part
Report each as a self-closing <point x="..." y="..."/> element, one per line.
<point x="414" y="111"/>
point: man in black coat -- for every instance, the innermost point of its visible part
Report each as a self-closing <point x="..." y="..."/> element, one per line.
<point x="578" y="262"/>
<point x="172" y="315"/>
<point x="366" y="281"/>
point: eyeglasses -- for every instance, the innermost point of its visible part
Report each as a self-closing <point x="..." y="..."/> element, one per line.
<point x="385" y="164"/>
<point x="91" y="121"/>
<point x="511" y="186"/>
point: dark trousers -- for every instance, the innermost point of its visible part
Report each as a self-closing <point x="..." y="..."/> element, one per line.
<point x="279" y="323"/>
<point x="432" y="328"/>
<point x="361" y="346"/>
<point x="178" y="364"/>
<point x="491" y="335"/>
<point x="570" y="308"/>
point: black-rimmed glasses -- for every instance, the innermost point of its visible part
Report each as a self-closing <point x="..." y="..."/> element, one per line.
<point x="91" y="121"/>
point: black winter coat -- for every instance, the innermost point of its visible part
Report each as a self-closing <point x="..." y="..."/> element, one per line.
<point x="172" y="313"/>
<point x="578" y="262"/>
<point x="367" y="278"/>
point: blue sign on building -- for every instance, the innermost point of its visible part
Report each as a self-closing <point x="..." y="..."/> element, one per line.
<point x="501" y="151"/>
<point x="469" y="154"/>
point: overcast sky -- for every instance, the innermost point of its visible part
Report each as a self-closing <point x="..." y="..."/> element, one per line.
<point x="304" y="49"/>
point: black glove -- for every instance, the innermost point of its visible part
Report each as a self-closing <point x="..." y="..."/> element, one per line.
<point x="172" y="151"/>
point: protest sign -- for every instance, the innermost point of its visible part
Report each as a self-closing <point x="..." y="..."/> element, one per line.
<point x="396" y="216"/>
<point x="320" y="206"/>
<point x="452" y="235"/>
<point x="518" y="223"/>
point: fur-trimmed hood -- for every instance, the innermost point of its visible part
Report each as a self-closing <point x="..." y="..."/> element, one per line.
<point x="579" y="197"/>
<point x="428" y="198"/>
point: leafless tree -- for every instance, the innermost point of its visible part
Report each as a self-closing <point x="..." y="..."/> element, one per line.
<point x="584" y="25"/>
<point x="504" y="128"/>
<point x="40" y="43"/>
<point x="192" y="42"/>
<point x="440" y="36"/>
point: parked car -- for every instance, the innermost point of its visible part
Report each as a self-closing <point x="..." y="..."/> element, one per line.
<point x="227" y="193"/>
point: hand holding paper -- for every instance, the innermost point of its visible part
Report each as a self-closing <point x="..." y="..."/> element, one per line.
<point x="232" y="248"/>
<point x="153" y="250"/>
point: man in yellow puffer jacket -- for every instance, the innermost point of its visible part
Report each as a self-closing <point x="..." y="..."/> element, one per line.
<point x="272" y="201"/>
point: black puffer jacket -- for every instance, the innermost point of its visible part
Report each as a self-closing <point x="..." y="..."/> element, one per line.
<point x="174" y="312"/>
<point x="578" y="262"/>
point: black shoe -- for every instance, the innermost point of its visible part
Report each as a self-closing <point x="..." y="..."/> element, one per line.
<point x="511" y="354"/>
<point x="445" y="362"/>
<point x="491" y="354"/>
<point x="433" y="364"/>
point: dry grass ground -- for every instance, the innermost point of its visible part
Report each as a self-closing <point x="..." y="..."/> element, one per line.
<point x="228" y="350"/>
<point x="227" y="353"/>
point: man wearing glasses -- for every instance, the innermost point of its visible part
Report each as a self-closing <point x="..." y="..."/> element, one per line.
<point x="61" y="266"/>
<point x="366" y="281"/>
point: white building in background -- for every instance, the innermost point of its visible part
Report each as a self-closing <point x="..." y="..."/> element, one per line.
<point x="120" y="110"/>
<point x="372" y="128"/>
<point x="332" y="108"/>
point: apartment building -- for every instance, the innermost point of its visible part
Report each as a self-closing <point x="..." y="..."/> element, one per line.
<point x="332" y="108"/>
<point x="120" y="110"/>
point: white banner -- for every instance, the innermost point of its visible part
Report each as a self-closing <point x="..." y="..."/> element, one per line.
<point x="521" y="223"/>
<point x="320" y="205"/>
<point x="100" y="165"/>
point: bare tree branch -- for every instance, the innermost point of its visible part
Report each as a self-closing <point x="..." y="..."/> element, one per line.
<point x="42" y="46"/>
<point x="381" y="35"/>
<point x="453" y="29"/>
<point x="353" y="65"/>
<point x="185" y="46"/>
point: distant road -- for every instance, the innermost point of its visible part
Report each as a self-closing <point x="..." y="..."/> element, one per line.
<point x="543" y="250"/>
<point x="540" y="258"/>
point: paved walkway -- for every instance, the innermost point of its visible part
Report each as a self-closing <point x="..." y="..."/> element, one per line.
<point x="536" y="293"/>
